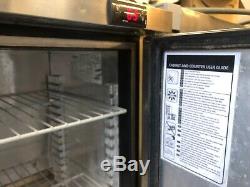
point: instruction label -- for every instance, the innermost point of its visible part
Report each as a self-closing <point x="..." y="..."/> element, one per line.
<point x="197" y="112"/>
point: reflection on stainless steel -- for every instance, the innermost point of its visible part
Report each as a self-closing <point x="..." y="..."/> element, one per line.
<point x="159" y="20"/>
<point x="192" y="21"/>
<point x="187" y="20"/>
<point x="16" y="41"/>
<point x="77" y="10"/>
<point x="7" y="72"/>
<point x="85" y="12"/>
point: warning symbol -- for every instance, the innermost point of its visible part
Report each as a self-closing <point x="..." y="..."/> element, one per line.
<point x="173" y="77"/>
<point x="170" y="128"/>
<point x="172" y="95"/>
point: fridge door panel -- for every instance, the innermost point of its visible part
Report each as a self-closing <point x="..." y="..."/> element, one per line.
<point x="235" y="163"/>
<point x="198" y="101"/>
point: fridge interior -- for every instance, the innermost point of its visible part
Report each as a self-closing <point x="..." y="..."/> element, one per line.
<point x="58" y="117"/>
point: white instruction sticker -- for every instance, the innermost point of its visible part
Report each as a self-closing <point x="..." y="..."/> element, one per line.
<point x="197" y="112"/>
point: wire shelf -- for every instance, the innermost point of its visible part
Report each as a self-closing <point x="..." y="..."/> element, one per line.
<point x="30" y="174"/>
<point x="28" y="115"/>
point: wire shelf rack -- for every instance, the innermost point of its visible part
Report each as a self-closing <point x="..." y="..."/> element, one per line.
<point x="30" y="174"/>
<point x="28" y="115"/>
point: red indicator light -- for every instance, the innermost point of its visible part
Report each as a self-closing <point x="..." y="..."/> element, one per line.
<point x="132" y="15"/>
<point x="136" y="15"/>
<point x="129" y="14"/>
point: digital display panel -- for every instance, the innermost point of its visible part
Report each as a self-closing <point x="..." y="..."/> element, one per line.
<point x="132" y="15"/>
<point x="129" y="14"/>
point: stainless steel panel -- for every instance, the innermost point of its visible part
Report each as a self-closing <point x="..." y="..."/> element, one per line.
<point x="15" y="41"/>
<point x="159" y="20"/>
<point x="187" y="20"/>
<point x="77" y="10"/>
<point x="17" y="70"/>
<point x="83" y="11"/>
<point x="239" y="169"/>
<point x="21" y="71"/>
<point x="239" y="173"/>
<point x="192" y="21"/>
<point x="22" y="152"/>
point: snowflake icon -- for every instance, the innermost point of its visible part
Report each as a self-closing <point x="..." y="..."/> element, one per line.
<point x="172" y="95"/>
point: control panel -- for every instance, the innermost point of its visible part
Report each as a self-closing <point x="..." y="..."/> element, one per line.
<point x="127" y="13"/>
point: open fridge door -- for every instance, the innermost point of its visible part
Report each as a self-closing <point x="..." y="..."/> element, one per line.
<point x="196" y="128"/>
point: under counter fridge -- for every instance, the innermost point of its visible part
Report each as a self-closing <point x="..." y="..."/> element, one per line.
<point x="69" y="90"/>
<point x="66" y="105"/>
<point x="196" y="109"/>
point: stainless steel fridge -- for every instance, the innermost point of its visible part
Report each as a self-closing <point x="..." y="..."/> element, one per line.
<point x="69" y="94"/>
<point x="76" y="90"/>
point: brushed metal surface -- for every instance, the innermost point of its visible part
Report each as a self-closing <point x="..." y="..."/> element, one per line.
<point x="159" y="20"/>
<point x="192" y="21"/>
<point x="186" y="20"/>
<point x="77" y="10"/>
<point x="17" y="70"/>
<point x="97" y="12"/>
<point x="81" y="11"/>
<point x="16" y="41"/>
